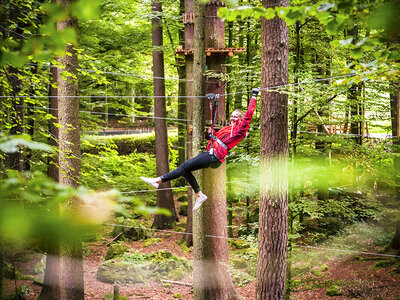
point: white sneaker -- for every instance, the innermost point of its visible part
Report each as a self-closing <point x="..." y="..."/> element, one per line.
<point x="150" y="181"/>
<point x="199" y="201"/>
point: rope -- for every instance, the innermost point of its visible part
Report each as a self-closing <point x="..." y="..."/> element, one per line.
<point x="178" y="188"/>
<point x="347" y="250"/>
<point x="239" y="239"/>
<point x="99" y="96"/>
<point x="116" y="73"/>
<point x="293" y="84"/>
<point x="187" y="97"/>
<point x="108" y="114"/>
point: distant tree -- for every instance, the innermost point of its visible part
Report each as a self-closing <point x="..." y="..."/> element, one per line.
<point x="272" y="238"/>
<point x="189" y="36"/>
<point x="395" y="116"/>
<point x="16" y="160"/>
<point x="164" y="197"/>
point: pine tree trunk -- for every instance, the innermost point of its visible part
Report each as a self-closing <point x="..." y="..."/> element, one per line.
<point x="70" y="162"/>
<point x="272" y="249"/>
<point x="395" y="116"/>
<point x="51" y="282"/>
<point x="354" y="99"/>
<point x="228" y="71"/>
<point x="189" y="36"/>
<point x="16" y="160"/>
<point x="181" y="92"/>
<point x="199" y="66"/>
<point x="164" y="197"/>
<point x="212" y="279"/>
<point x="216" y="282"/>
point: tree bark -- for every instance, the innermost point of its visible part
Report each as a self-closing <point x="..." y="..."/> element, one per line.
<point x="70" y="160"/>
<point x="189" y="35"/>
<point x="51" y="282"/>
<point x="199" y="66"/>
<point x="182" y="129"/>
<point x="16" y="160"/>
<point x="164" y="197"/>
<point x="395" y="116"/>
<point x="212" y="279"/>
<point x="354" y="98"/>
<point x="272" y="249"/>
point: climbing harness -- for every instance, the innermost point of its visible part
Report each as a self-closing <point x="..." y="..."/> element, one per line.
<point x="213" y="98"/>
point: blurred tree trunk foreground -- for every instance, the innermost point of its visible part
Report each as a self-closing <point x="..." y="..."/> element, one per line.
<point x="71" y="263"/>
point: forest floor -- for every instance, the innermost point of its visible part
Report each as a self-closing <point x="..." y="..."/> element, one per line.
<point x="315" y="272"/>
<point x="353" y="276"/>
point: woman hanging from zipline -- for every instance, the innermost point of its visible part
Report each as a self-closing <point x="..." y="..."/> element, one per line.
<point x="217" y="149"/>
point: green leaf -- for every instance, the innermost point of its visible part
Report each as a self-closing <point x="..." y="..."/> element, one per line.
<point x="360" y="43"/>
<point x="85" y="9"/>
<point x="11" y="144"/>
<point x="228" y="14"/>
<point x="281" y="11"/>
<point x="332" y="27"/>
<point x="231" y="3"/>
<point x="356" y="52"/>
<point x="346" y="42"/>
<point x="270" y="13"/>
<point x="325" y="6"/>
<point x="12" y="58"/>
<point x="293" y="15"/>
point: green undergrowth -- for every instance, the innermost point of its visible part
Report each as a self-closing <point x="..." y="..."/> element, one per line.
<point x="136" y="267"/>
<point x="308" y="265"/>
<point x="124" y="144"/>
<point x="118" y="161"/>
<point x="243" y="260"/>
<point x="151" y="242"/>
<point x="130" y="229"/>
<point x="363" y="237"/>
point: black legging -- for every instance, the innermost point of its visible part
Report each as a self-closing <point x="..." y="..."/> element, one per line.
<point x="201" y="161"/>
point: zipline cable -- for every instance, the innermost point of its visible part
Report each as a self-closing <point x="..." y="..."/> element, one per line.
<point x="178" y="188"/>
<point x="115" y="73"/>
<point x="178" y="96"/>
<point x="106" y="114"/>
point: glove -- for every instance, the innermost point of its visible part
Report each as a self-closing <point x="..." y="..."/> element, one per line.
<point x="255" y="92"/>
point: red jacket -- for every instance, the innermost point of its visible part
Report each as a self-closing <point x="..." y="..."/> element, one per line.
<point x="232" y="136"/>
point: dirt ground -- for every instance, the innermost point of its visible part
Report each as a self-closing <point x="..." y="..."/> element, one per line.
<point x="357" y="278"/>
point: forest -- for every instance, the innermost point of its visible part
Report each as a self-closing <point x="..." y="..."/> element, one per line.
<point x="96" y="94"/>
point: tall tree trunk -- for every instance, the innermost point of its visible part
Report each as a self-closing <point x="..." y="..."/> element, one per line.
<point x="395" y="116"/>
<point x="16" y="160"/>
<point x="181" y="70"/>
<point x="212" y="277"/>
<point x="228" y="71"/>
<point x="354" y="98"/>
<point x="189" y="39"/>
<point x="249" y="82"/>
<point x="51" y="282"/>
<point x="272" y="248"/>
<point x="30" y="122"/>
<point x="181" y="92"/>
<point x="199" y="66"/>
<point x="164" y="197"/>
<point x="242" y="58"/>
<point x="70" y="160"/>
